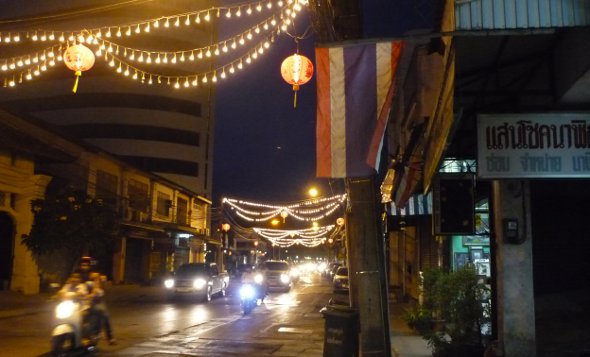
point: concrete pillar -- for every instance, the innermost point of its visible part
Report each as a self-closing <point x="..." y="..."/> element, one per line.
<point x="514" y="268"/>
<point x="366" y="256"/>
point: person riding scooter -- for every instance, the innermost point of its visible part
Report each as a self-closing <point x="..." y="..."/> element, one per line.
<point x="74" y="327"/>
<point x="98" y="305"/>
<point x="250" y="276"/>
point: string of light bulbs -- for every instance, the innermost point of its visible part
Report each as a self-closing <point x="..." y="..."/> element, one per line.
<point x="221" y="47"/>
<point x="190" y="80"/>
<point x="310" y="237"/>
<point x="146" y="26"/>
<point x="308" y="211"/>
<point x="94" y="37"/>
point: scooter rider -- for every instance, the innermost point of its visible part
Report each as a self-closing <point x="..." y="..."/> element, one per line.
<point x="99" y="306"/>
<point x="75" y="285"/>
<point x="250" y="276"/>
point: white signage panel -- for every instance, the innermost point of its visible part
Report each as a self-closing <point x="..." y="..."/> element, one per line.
<point x="533" y="145"/>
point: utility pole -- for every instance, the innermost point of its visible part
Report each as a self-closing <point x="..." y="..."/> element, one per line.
<point x="366" y="261"/>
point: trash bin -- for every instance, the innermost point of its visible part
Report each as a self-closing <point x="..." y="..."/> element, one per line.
<point x="340" y="331"/>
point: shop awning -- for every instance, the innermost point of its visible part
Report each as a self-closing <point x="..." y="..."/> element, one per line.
<point x="416" y="205"/>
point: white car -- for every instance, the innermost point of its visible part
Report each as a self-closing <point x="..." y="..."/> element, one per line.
<point x="277" y="274"/>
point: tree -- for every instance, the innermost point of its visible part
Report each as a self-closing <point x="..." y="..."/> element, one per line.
<point x="68" y="225"/>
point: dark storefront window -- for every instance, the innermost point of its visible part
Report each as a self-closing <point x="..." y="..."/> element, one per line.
<point x="181" y="211"/>
<point x="138" y="195"/>
<point x="163" y="204"/>
<point x="106" y="187"/>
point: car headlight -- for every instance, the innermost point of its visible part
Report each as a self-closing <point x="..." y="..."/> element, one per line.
<point x="285" y="278"/>
<point x="258" y="278"/>
<point x="169" y="283"/>
<point x="65" y="309"/>
<point x="199" y="283"/>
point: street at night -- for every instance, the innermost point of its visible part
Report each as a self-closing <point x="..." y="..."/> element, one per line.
<point x="145" y="323"/>
<point x="163" y="162"/>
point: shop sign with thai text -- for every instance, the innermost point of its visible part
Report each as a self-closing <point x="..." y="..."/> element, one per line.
<point x="533" y="145"/>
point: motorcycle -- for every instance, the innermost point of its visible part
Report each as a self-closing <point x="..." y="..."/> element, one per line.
<point x="76" y="328"/>
<point x="252" y="294"/>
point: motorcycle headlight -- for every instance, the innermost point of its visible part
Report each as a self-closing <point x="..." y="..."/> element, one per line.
<point x="247" y="291"/>
<point x="285" y="278"/>
<point x="65" y="309"/>
<point x="169" y="283"/>
<point x="258" y="278"/>
<point x="199" y="283"/>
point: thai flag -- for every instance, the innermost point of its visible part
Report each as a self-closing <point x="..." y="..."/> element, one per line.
<point x="355" y="89"/>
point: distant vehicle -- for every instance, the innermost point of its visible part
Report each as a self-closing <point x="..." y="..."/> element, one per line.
<point x="202" y="280"/>
<point x="330" y="270"/>
<point x="295" y="274"/>
<point x="340" y="282"/>
<point x="241" y="269"/>
<point x="277" y="274"/>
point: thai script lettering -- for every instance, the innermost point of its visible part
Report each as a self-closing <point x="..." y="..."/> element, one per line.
<point x="540" y="163"/>
<point x="497" y="163"/>
<point x="581" y="163"/>
<point x="334" y="336"/>
<point x="526" y="134"/>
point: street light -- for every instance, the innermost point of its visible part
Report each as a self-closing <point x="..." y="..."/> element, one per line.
<point x="313" y="192"/>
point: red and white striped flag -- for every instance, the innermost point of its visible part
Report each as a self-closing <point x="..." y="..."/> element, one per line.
<point x="355" y="89"/>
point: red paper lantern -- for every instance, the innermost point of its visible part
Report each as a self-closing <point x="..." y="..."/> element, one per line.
<point x="296" y="70"/>
<point x="78" y="58"/>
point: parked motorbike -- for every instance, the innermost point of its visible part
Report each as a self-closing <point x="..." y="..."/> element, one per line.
<point x="75" y="329"/>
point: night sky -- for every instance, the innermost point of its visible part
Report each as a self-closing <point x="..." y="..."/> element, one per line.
<point x="264" y="147"/>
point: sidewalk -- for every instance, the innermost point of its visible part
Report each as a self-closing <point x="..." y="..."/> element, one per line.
<point x="404" y="342"/>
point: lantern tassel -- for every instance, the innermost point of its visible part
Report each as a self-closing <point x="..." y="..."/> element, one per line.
<point x="295" y="89"/>
<point x="78" y="74"/>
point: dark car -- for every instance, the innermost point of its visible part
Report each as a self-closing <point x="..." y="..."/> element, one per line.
<point x="340" y="281"/>
<point x="331" y="269"/>
<point x="199" y="279"/>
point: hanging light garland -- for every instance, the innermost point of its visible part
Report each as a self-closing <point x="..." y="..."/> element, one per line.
<point x="307" y="211"/>
<point x="101" y="39"/>
<point x="310" y="237"/>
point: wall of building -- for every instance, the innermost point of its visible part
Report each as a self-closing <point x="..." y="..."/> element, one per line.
<point x="19" y="185"/>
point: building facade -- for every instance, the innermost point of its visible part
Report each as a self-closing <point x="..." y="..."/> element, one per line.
<point x="161" y="224"/>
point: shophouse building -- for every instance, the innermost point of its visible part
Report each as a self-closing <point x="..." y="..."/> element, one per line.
<point x="161" y="224"/>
